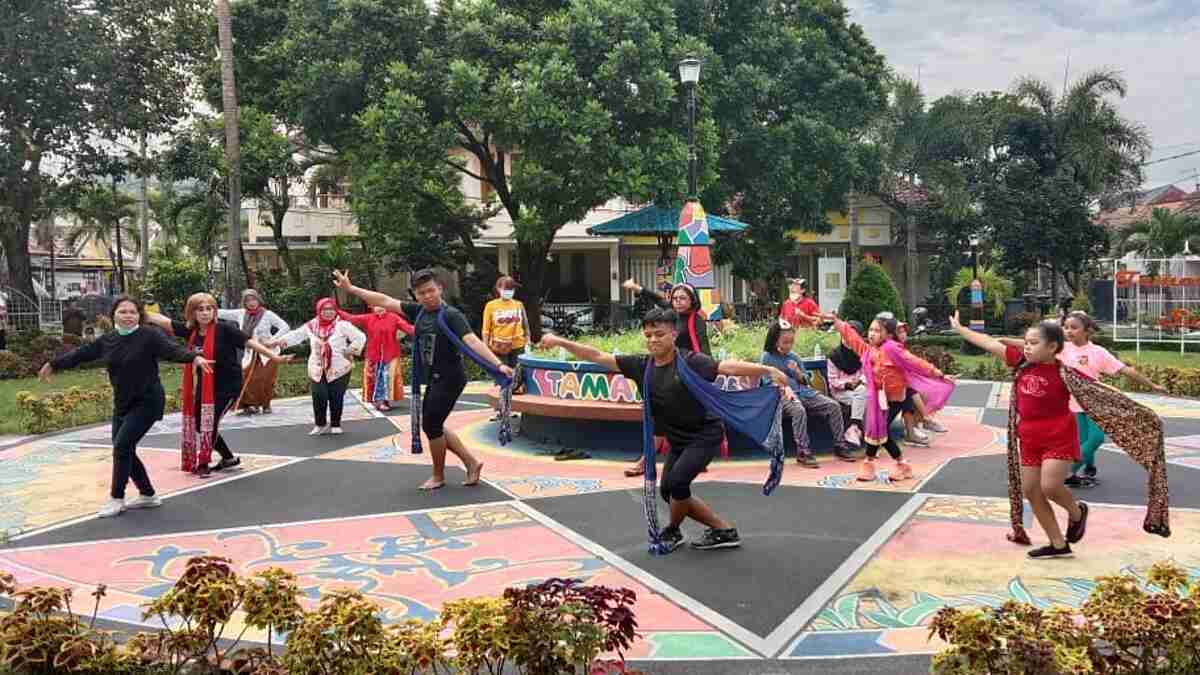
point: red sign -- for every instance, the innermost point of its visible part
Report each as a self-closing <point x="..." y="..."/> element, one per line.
<point x="1126" y="278"/>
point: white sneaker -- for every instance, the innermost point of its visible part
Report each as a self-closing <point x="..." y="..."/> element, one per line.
<point x="336" y="431"/>
<point x="917" y="437"/>
<point x="111" y="508"/>
<point x="931" y="425"/>
<point x="318" y="431"/>
<point x="853" y="436"/>
<point x="144" y="502"/>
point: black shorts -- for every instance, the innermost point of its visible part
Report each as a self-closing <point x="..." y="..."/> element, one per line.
<point x="908" y="405"/>
<point x="438" y="403"/>
<point x="683" y="465"/>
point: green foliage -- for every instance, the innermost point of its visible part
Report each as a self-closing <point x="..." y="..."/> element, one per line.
<point x="114" y="69"/>
<point x="996" y="289"/>
<point x="1128" y="626"/>
<point x="106" y="217"/>
<point x="170" y="280"/>
<point x="557" y="626"/>
<point x="871" y="292"/>
<point x="294" y="303"/>
<point x="1163" y="235"/>
<point x="744" y="342"/>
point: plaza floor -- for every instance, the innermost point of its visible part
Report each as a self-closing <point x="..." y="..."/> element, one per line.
<point x="835" y="576"/>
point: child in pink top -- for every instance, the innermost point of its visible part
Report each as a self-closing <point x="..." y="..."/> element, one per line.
<point x="1093" y="360"/>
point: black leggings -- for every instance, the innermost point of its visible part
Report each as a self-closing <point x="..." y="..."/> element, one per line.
<point x="331" y="395"/>
<point x="683" y="465"/>
<point x="127" y="431"/>
<point x="220" y="407"/>
<point x="440" y="397"/>
<point x="893" y="411"/>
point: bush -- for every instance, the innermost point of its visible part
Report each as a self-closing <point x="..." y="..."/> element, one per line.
<point x="171" y="280"/>
<point x="871" y="292"/>
<point x="555" y="627"/>
<point x="1127" y="626"/>
<point x="1021" y="321"/>
<point x="939" y="357"/>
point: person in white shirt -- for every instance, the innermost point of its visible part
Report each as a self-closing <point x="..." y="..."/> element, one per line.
<point x="258" y="373"/>
<point x="334" y="343"/>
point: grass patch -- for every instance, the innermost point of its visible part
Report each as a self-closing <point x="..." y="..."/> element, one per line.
<point x="293" y="381"/>
<point x="1130" y="357"/>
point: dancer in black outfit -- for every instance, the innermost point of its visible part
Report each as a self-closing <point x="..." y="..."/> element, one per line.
<point x="132" y="353"/>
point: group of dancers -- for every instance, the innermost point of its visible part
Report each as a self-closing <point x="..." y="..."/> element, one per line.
<point x="1058" y="418"/>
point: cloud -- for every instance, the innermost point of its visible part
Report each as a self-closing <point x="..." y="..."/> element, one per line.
<point x="986" y="45"/>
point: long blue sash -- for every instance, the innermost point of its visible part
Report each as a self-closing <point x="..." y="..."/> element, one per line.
<point x="756" y="412"/>
<point x="505" y="383"/>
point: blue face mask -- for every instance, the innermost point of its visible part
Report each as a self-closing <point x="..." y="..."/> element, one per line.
<point x="121" y="330"/>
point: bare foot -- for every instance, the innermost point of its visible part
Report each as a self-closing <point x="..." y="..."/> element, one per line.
<point x="433" y="484"/>
<point x="473" y="474"/>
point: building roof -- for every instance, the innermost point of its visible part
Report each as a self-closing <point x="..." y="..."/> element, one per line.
<point x="655" y="220"/>
<point x="1159" y="195"/>
<point x="1120" y="217"/>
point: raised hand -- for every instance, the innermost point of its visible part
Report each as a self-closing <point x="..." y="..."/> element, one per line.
<point x="550" y="341"/>
<point x="45" y="372"/>
<point x="630" y="285"/>
<point x="342" y="280"/>
<point x="954" y="322"/>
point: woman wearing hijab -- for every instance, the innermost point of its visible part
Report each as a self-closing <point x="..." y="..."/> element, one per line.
<point x="847" y="385"/>
<point x="258" y="372"/>
<point x="207" y="397"/>
<point x="333" y="344"/>
<point x="383" y="374"/>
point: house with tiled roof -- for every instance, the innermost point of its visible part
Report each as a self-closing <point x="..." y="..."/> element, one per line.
<point x="1174" y="200"/>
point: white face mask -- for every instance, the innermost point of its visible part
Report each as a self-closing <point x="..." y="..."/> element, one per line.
<point x="794" y="296"/>
<point x="507" y="293"/>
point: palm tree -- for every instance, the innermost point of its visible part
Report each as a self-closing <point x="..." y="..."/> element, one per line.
<point x="1165" y="234"/>
<point x="1085" y="138"/>
<point x="107" y="218"/>
<point x="233" y="154"/>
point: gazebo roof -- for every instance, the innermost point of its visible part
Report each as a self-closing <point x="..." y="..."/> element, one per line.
<point x="656" y="220"/>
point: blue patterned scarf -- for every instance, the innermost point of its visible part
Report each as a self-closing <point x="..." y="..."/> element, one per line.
<point x="756" y="412"/>
<point x="505" y="383"/>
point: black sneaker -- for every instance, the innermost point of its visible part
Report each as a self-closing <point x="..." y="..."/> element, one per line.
<point x="715" y="538"/>
<point x="1073" y="481"/>
<point x="227" y="463"/>
<point x="671" y="537"/>
<point x="1077" y="528"/>
<point x="807" y="459"/>
<point x="1089" y="471"/>
<point x="845" y="453"/>
<point x="1048" y="551"/>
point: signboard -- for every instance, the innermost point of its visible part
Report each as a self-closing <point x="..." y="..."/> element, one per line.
<point x="1156" y="300"/>
<point x="976" y="293"/>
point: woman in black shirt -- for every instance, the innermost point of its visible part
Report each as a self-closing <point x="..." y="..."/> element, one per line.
<point x="200" y="317"/>
<point x="692" y="325"/>
<point x="138" y="398"/>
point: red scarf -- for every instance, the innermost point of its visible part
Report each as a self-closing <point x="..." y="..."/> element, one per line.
<point x="323" y="330"/>
<point x="197" y="444"/>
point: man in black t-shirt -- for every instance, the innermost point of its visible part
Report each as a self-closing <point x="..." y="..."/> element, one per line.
<point x="694" y="433"/>
<point x="443" y="371"/>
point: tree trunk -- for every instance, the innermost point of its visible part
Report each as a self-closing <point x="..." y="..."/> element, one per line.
<point x="911" y="262"/>
<point x="116" y="224"/>
<point x="531" y="264"/>
<point x="19" y="192"/>
<point x="278" y="213"/>
<point x="236" y="257"/>
<point x="143" y="210"/>
<point x="16" y="255"/>
<point x="855" y="251"/>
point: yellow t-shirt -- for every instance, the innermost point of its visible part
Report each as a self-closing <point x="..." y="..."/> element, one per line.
<point x="504" y="321"/>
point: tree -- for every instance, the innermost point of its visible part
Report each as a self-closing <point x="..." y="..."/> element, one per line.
<point x="791" y="88"/>
<point x="1164" y="235"/>
<point x="111" y="67"/>
<point x="1063" y="155"/>
<point x="870" y="292"/>
<point x="236" y="269"/>
<point x="271" y="162"/>
<point x="107" y="218"/>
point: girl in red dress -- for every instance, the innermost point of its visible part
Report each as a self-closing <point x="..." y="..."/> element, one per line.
<point x="1046" y="429"/>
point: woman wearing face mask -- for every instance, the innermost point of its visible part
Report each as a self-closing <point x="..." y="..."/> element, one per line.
<point x="333" y="344"/>
<point x="383" y="374"/>
<point x="132" y="355"/>
<point x="206" y="397"/>
<point x="505" y="323"/>
<point x="258" y="373"/>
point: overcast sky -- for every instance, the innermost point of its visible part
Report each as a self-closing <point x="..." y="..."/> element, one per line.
<point x="984" y="45"/>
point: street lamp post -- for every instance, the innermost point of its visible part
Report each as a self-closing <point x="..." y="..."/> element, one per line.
<point x="974" y="257"/>
<point x="689" y="74"/>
